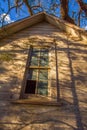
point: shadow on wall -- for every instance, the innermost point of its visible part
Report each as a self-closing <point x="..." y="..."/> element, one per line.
<point x="20" y="117"/>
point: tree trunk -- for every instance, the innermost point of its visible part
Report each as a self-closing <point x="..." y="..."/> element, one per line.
<point x="64" y="11"/>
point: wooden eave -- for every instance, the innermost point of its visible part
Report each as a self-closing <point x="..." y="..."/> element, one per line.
<point x="20" y="25"/>
<point x="70" y="29"/>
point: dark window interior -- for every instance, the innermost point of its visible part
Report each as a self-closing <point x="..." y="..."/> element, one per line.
<point x="30" y="87"/>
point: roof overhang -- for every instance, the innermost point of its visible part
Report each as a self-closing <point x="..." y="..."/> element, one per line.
<point x="70" y="29"/>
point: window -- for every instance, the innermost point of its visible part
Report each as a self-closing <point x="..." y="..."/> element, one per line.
<point x="37" y="80"/>
<point x="37" y="74"/>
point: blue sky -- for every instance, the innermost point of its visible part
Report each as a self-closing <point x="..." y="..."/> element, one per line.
<point x="13" y="16"/>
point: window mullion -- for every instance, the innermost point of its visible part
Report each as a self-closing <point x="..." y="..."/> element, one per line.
<point x="38" y="58"/>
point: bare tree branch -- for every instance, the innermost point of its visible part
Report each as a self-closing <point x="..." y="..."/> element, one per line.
<point x="83" y="6"/>
<point x="28" y="6"/>
<point x="63" y="5"/>
<point x="9" y="11"/>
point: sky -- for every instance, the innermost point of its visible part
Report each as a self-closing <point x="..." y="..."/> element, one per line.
<point x="13" y="16"/>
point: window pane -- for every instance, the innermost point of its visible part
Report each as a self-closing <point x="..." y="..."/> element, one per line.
<point x="44" y="52"/>
<point x="42" y="84"/>
<point x="43" y="74"/>
<point x="35" y="54"/>
<point x="36" y="50"/>
<point x="34" y="61"/>
<point x="33" y="74"/>
<point x="43" y="61"/>
<point x="43" y="91"/>
<point x="42" y="87"/>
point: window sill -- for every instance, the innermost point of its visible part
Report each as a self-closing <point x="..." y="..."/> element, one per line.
<point x="38" y="101"/>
